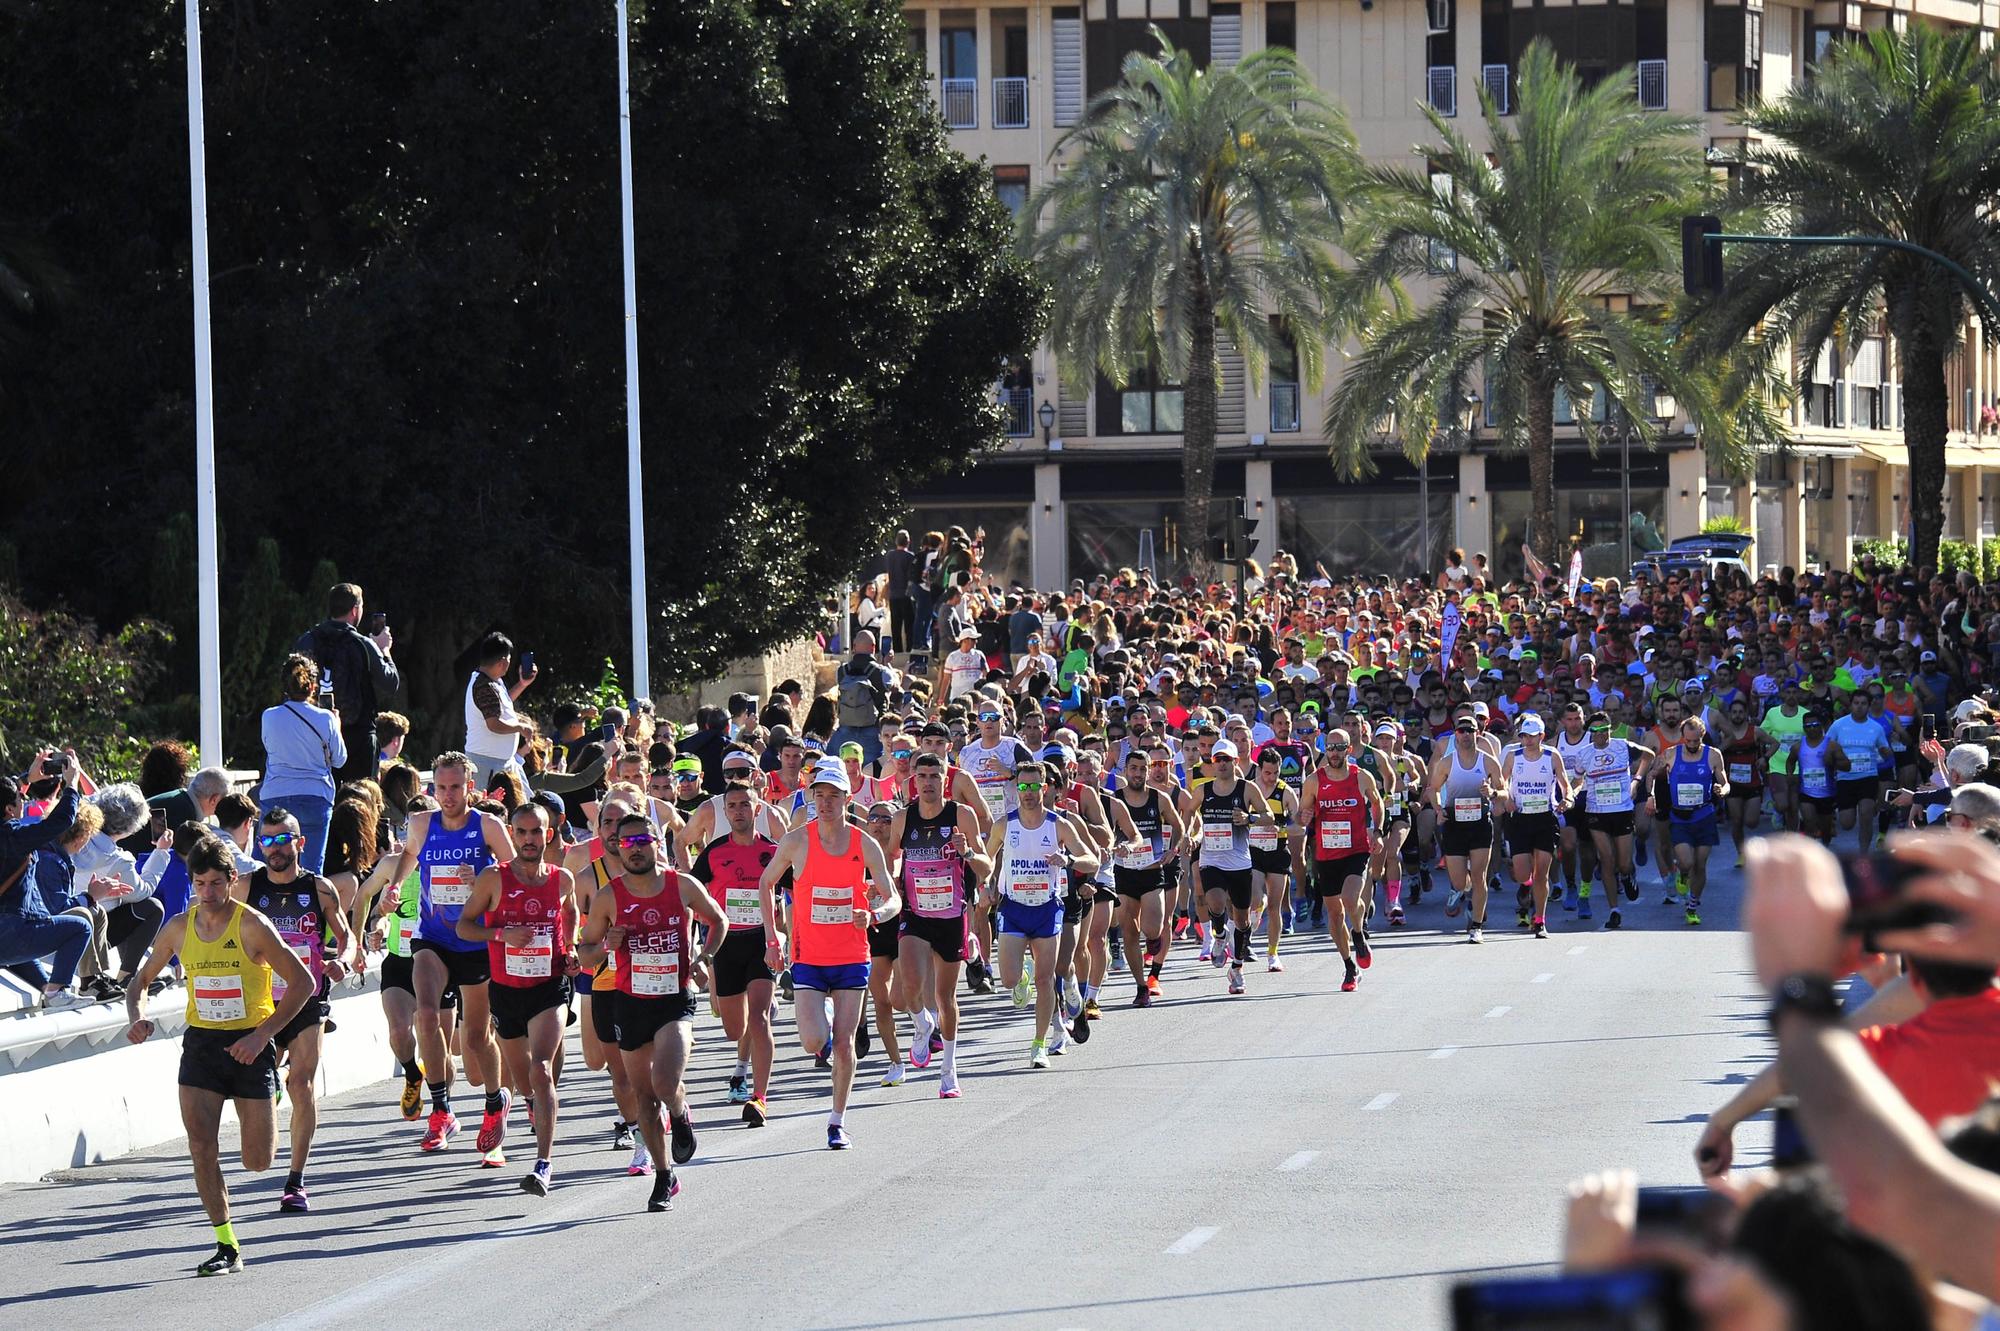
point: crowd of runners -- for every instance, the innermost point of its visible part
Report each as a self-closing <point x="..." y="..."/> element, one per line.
<point x="1097" y="784"/>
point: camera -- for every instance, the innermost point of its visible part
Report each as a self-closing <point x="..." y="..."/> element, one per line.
<point x="56" y="764"/>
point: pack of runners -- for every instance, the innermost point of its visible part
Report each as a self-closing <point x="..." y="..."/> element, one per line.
<point x="1155" y="766"/>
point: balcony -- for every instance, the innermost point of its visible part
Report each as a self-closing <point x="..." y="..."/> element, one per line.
<point x="1441" y="89"/>
<point x="1495" y="78"/>
<point x="958" y="99"/>
<point x="1018" y="404"/>
<point x="1284" y="408"/>
<point x="1010" y="103"/>
<point x="1653" y="85"/>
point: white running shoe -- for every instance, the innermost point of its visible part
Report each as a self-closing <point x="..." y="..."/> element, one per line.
<point x="894" y="1075"/>
<point x="642" y="1159"/>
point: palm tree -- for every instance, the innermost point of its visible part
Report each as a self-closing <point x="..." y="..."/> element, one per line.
<point x="1897" y="136"/>
<point x="1519" y="254"/>
<point x="1193" y="203"/>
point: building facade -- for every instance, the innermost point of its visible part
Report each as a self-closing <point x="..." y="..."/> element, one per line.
<point x="1090" y="477"/>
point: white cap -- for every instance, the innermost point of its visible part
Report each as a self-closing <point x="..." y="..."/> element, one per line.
<point x="1223" y="749"/>
<point x="1530" y="724"/>
<point x="832" y="774"/>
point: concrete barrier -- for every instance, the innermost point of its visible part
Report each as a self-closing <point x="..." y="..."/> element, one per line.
<point x="73" y="1092"/>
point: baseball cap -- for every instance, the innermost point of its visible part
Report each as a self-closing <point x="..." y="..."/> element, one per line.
<point x="852" y="750"/>
<point x="686" y="766"/>
<point x="1530" y="724"/>
<point x="1224" y="749"/>
<point x="832" y="774"/>
<point x="968" y="632"/>
<point x="1479" y="710"/>
<point x="1059" y="753"/>
<point x="1928" y="657"/>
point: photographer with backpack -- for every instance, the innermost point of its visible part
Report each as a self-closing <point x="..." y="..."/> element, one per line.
<point x="359" y="674"/>
<point x="862" y="691"/>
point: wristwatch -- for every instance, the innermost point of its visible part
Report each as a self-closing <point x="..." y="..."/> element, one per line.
<point x="1810" y="994"/>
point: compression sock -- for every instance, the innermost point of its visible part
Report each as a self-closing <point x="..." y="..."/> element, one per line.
<point x="493" y="1102"/>
<point x="225" y="1234"/>
<point x="440" y="1097"/>
<point x="1244" y="939"/>
<point x="295" y="1180"/>
<point x="411" y="1072"/>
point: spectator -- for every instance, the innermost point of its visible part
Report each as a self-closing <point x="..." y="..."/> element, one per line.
<point x="742" y="714"/>
<point x="66" y="892"/>
<point x="568" y="735"/>
<point x="131" y="925"/>
<point x="862" y="688"/>
<point x="29" y="930"/>
<point x="902" y="567"/>
<point x="365" y="678"/>
<point x="493" y="729"/>
<point x="401" y="784"/>
<point x="236" y="815"/>
<point x="304" y="748"/>
<point x="392" y="731"/>
<point x="705" y="743"/>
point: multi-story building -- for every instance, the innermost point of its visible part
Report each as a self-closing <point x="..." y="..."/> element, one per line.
<point x="1091" y="476"/>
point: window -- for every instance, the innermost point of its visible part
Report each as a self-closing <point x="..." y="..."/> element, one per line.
<point x="1010" y="80"/>
<point x="1066" y="65"/>
<point x="958" y="77"/>
<point x="1284" y="384"/>
<point x="1225" y="35"/>
<point x="1281" y="25"/>
<point x="1147" y="404"/>
<point x="914" y="20"/>
<point x="1733" y="45"/>
<point x="1442" y="258"/>
<point x="1011" y="184"/>
<point x="1861" y="501"/>
<point x="1017" y="396"/>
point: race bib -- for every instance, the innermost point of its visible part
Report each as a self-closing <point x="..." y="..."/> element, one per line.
<point x="1134" y="859"/>
<point x="451" y="884"/>
<point x="656" y="974"/>
<point x="833" y="905"/>
<point x="398" y="940"/>
<point x="534" y="960"/>
<point x="1336" y="836"/>
<point x="1031" y="885"/>
<point x="1816" y="777"/>
<point x="1394" y="808"/>
<point x="308" y="953"/>
<point x="1690" y="794"/>
<point x="933" y="894"/>
<point x="743" y="906"/>
<point x="1739" y="773"/>
<point x="1532" y="801"/>
<point x="1263" y="838"/>
<point x="1609" y="789"/>
<point x="996" y="801"/>
<point x="1218" y="838"/>
<point x="1467" y="809"/>
<point x="219" y="998"/>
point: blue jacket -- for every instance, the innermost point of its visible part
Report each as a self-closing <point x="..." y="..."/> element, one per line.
<point x="19" y="840"/>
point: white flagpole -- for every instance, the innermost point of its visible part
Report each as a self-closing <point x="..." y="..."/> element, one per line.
<point x="634" y="467"/>
<point x="207" y="597"/>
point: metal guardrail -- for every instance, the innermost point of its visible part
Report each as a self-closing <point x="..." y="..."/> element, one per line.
<point x="958" y="99"/>
<point x="1010" y="103"/>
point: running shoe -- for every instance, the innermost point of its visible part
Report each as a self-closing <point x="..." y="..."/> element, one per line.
<point x="1613" y="920"/>
<point x="862" y="1040"/>
<point x="1352" y="980"/>
<point x="1639" y="851"/>
<point x="665" y="1188"/>
<point x="1521" y="918"/>
<point x="226" y="1262"/>
<point x="442" y="1128"/>
<point x="1672" y="898"/>
<point x="1024" y="989"/>
<point x="824" y="1058"/>
<point x="1072" y="999"/>
<point x="683" y="1137"/>
<point x="948" y="1086"/>
<point x="295" y="1199"/>
<point x="1038" y="1055"/>
<point x="1090" y="1009"/>
<point x="837" y="1138"/>
<point x="1143" y="998"/>
<point x="754" y="1112"/>
<point x="1235" y="979"/>
<point x="412" y="1103"/>
<point x="1274" y="966"/>
<point x="1364" y="955"/>
<point x="1206" y="953"/>
<point x="1541" y="927"/>
<point x="1219" y="955"/>
<point x="1523" y="898"/>
<point x="739" y="1088"/>
<point x="980" y="982"/>
<point x="784" y="986"/>
<point x="493" y="1125"/>
<point x="1694" y="914"/>
<point x="1079" y="1029"/>
<point x="62" y="1000"/>
<point x="893" y="1075"/>
<point x="621" y="1135"/>
<point x="1632" y="887"/>
<point x="1395" y="917"/>
<point x="1583" y="905"/>
<point x="536" y="1180"/>
<point x="1153" y="985"/>
<point x="642" y="1159"/>
<point x="1475" y="933"/>
<point x="493" y="1159"/>
<point x="1454" y="902"/>
<point x="920" y="1054"/>
<point x="1569" y="896"/>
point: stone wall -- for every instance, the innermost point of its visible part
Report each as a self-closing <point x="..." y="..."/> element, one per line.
<point x="756" y="675"/>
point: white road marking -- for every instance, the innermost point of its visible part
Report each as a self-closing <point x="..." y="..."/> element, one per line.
<point x="1573" y="951"/>
<point x="1543" y="978"/>
<point x="1379" y="1103"/>
<point x="1446" y="1052"/>
<point x="1297" y="1162"/>
<point x="1191" y="1240"/>
<point x="1499" y="1012"/>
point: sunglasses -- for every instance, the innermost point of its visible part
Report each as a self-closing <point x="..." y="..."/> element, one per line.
<point x="638" y="839"/>
<point x="881" y="818"/>
<point x="278" y="839"/>
<point x="687" y="776"/>
<point x="1027" y="785"/>
<point x="989" y="716"/>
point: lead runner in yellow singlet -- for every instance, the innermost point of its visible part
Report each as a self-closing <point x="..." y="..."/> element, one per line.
<point x="229" y="953"/>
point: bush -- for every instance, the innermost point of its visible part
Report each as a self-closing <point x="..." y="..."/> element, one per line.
<point x="1891" y="552"/>
<point x="62" y="682"/>
<point x="1956" y="555"/>
<point x="1989" y="560"/>
<point x="1725" y="524"/>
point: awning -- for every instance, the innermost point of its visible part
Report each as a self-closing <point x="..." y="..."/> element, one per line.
<point x="1957" y="457"/>
<point x="1822" y="448"/>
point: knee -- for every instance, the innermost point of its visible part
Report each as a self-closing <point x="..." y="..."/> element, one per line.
<point x="257" y="1158"/>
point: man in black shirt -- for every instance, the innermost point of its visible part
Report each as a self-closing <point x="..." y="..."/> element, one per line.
<point x="902" y="565"/>
<point x="365" y="679"/>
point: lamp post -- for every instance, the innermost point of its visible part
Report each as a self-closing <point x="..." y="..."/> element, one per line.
<point x="207" y="595"/>
<point x="1046" y="414"/>
<point x="635" y="503"/>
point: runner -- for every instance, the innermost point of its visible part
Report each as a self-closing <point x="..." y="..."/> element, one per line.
<point x="1534" y="786"/>
<point x="592" y="867"/>
<point x="1344" y="806"/>
<point x="1692" y="778"/>
<point x="1857" y="788"/>
<point x="229" y="955"/>
<point x="1745" y="747"/>
<point x="1029" y="849"/>
<point x="1462" y="783"/>
<point x="1579" y="849"/>
<point x="450" y="848"/>
<point x="1271" y="848"/>
<point x="1221" y="809"/>
<point x="1814" y="759"/>
<point x="843" y="887"/>
<point x="525" y="913"/>
<point x="1146" y="831"/>
<point x="1785" y="724"/>
<point x="305" y="910"/>
<point x="647" y="918"/>
<point x="941" y="859"/>
<point x="1606" y="776"/>
<point x="732" y="868"/>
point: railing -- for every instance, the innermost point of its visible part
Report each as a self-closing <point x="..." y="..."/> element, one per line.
<point x="1010" y="103"/>
<point x="1653" y="85"/>
<point x="1284" y="408"/>
<point x="1495" y="77"/>
<point x="1019" y="405"/>
<point x="1441" y="89"/>
<point x="959" y="100"/>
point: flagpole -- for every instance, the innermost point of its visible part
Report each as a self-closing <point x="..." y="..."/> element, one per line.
<point x="634" y="467"/>
<point x="207" y="598"/>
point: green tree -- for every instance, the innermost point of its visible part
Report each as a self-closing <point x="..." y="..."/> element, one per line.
<point x="1897" y="136"/>
<point x="65" y="684"/>
<point x="1193" y="204"/>
<point x="1491" y="272"/>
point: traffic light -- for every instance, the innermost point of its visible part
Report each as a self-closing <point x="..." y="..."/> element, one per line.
<point x="1219" y="551"/>
<point x="1701" y="256"/>
<point x="1253" y="518"/>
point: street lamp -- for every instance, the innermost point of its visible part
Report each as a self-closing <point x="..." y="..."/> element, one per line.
<point x="1046" y="414"/>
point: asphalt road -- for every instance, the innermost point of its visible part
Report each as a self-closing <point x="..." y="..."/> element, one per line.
<point x="1292" y="1153"/>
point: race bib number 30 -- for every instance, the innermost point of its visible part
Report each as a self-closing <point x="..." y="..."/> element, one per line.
<point x="535" y="960"/>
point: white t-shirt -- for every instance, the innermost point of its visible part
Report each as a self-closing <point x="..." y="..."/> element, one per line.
<point x="964" y="668"/>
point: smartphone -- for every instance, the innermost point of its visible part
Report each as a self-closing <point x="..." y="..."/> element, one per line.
<point x="1637" y="1298"/>
<point x="1929" y="728"/>
<point x="377" y="621"/>
<point x="1789" y="1149"/>
<point x="606" y="733"/>
<point x="527" y="663"/>
<point x="159" y="823"/>
<point x="1695" y="1214"/>
<point x="1875" y="884"/>
<point x="1975" y="734"/>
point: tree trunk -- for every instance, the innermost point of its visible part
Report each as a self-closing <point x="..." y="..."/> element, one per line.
<point x="1198" y="429"/>
<point x="1542" y="472"/>
<point x="1926" y="400"/>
